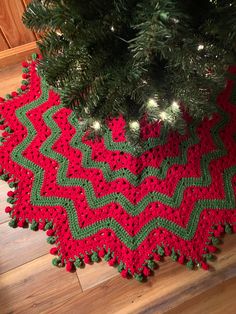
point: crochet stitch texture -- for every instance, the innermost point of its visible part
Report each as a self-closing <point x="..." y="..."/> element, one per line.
<point x="101" y="199"/>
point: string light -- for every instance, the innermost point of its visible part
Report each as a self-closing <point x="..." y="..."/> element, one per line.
<point x="134" y="125"/>
<point x="112" y="28"/>
<point x="96" y="125"/>
<point x="151" y="103"/>
<point x="163" y="115"/>
<point x="175" y="106"/>
<point x="200" y="47"/>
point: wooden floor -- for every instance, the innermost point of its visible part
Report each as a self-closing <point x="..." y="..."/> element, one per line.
<point x="30" y="284"/>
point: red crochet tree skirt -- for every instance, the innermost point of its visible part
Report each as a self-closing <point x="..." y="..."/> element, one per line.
<point x="102" y="199"/>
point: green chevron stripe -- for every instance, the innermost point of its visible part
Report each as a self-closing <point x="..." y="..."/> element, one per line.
<point x="80" y="233"/>
<point x="111" y="175"/>
<point x="132" y="209"/>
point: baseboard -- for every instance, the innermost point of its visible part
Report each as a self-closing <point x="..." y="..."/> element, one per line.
<point x="17" y="54"/>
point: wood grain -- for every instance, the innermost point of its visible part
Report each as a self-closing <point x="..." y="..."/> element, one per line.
<point x="4" y="188"/>
<point x="3" y="43"/>
<point x="11" y="24"/>
<point x="168" y="288"/>
<point x="17" y="54"/>
<point x="36" y="287"/>
<point x="218" y="300"/>
<point x="20" y="245"/>
<point x="93" y="275"/>
<point x="10" y="79"/>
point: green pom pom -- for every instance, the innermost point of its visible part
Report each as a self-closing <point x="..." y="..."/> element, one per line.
<point x="120" y="267"/>
<point x="78" y="262"/>
<point x="215" y="240"/>
<point x="34" y="225"/>
<point x="4" y="177"/>
<point x="174" y="256"/>
<point x="51" y="240"/>
<point x="8" y="129"/>
<point x="95" y="257"/>
<point x="2" y="139"/>
<point x="24" y="82"/>
<point x="138" y="277"/>
<point x="34" y="56"/>
<point x="11" y="200"/>
<point x="25" y="70"/>
<point x="2" y="121"/>
<point x="12" y="184"/>
<point x="208" y="256"/>
<point x="19" y="90"/>
<point x="228" y="229"/>
<point x="160" y="251"/>
<point x="107" y="256"/>
<point x="151" y="264"/>
<point x="56" y="261"/>
<point x="8" y="96"/>
<point x="48" y="225"/>
<point x="190" y="264"/>
<point x="13" y="223"/>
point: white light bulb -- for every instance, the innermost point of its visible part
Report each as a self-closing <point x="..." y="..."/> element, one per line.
<point x="96" y="125"/>
<point x="134" y="125"/>
<point x="200" y="47"/>
<point x="151" y="103"/>
<point x="112" y="28"/>
<point x="175" y="105"/>
<point x="163" y="115"/>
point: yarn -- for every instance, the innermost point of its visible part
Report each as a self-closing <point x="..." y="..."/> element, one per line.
<point x="104" y="199"/>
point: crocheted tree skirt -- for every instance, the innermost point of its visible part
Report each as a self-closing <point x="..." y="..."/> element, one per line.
<point x="100" y="199"/>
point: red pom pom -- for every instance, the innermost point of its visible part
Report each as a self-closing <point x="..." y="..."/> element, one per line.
<point x="212" y="249"/>
<point x="146" y="271"/>
<point x="8" y="209"/>
<point x="50" y="232"/>
<point x="181" y="259"/>
<point x="5" y="134"/>
<point x="21" y="223"/>
<point x="41" y="225"/>
<point x="101" y="253"/>
<point x="124" y="273"/>
<point x="156" y="257"/>
<point x="1" y="99"/>
<point x="112" y="261"/>
<point x="14" y="94"/>
<point x="217" y="233"/>
<point x="25" y="75"/>
<point x="167" y="251"/>
<point x="86" y="259"/>
<point x="220" y="229"/>
<point x="69" y="266"/>
<point x="204" y="265"/>
<point x="54" y="251"/>
<point x="10" y="193"/>
<point x="23" y="87"/>
<point x="25" y="64"/>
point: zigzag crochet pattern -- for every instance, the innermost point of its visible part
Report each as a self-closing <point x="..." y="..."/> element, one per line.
<point x="101" y="199"/>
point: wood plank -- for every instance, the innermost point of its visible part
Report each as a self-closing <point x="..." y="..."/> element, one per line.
<point x="11" y="23"/>
<point x="17" y="54"/>
<point x="10" y="79"/>
<point x="218" y="300"/>
<point x="37" y="286"/>
<point x="93" y="275"/>
<point x="19" y="246"/>
<point x="168" y="288"/>
<point x="3" y="43"/>
<point x="4" y="188"/>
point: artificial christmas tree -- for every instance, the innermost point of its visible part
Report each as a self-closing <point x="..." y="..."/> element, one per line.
<point x="135" y="58"/>
<point x="132" y="72"/>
